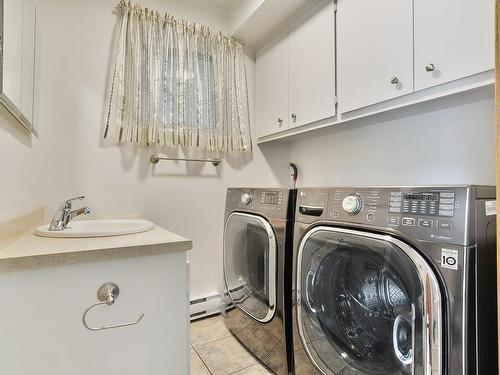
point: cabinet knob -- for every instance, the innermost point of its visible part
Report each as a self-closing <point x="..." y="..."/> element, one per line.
<point x="394" y="80"/>
<point x="430" y="67"/>
<point x="280" y="122"/>
<point x="294" y="116"/>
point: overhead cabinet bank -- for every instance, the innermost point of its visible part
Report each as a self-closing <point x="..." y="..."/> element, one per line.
<point x="367" y="53"/>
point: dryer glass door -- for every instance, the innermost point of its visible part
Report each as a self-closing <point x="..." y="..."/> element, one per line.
<point x="367" y="304"/>
<point x="250" y="264"/>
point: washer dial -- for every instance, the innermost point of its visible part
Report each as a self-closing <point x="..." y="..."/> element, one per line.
<point x="246" y="199"/>
<point x="352" y="204"/>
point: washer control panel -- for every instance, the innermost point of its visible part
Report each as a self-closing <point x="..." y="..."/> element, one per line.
<point x="424" y="213"/>
<point x="422" y="203"/>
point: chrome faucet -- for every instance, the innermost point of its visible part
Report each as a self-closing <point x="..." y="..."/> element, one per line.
<point x="64" y="214"/>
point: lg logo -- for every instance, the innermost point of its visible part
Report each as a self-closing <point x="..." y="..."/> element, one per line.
<point x="449" y="259"/>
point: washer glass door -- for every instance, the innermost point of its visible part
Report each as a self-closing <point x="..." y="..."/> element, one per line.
<point x="250" y="264"/>
<point x="367" y="304"/>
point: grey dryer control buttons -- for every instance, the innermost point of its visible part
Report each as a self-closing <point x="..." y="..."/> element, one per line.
<point x="447" y="195"/>
<point x="448" y="225"/>
<point x="395" y="202"/>
<point x="446" y="204"/>
<point x="408" y="221"/>
<point x="447" y="201"/>
<point x="425" y="223"/>
<point x="246" y="198"/>
<point x="352" y="204"/>
<point x="393" y="220"/>
<point x="271" y="197"/>
<point x="370" y="216"/>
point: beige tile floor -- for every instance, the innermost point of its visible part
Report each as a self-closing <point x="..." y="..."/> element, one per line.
<point x="215" y="351"/>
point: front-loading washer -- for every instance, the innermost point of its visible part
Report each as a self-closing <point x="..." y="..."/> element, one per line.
<point x="396" y="281"/>
<point x="258" y="272"/>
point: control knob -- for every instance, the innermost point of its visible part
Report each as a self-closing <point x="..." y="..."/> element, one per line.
<point x="352" y="204"/>
<point x="246" y="199"/>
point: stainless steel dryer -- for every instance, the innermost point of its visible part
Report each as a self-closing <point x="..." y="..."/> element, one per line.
<point x="258" y="272"/>
<point x="395" y="280"/>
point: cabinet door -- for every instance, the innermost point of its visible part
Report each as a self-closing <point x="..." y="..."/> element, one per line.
<point x="453" y="39"/>
<point x="375" y="51"/>
<point x="272" y="87"/>
<point x="41" y="330"/>
<point x="312" y="65"/>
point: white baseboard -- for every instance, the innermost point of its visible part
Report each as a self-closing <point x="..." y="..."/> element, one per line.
<point x="207" y="305"/>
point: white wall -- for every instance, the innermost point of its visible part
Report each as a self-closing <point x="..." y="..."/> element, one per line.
<point x="188" y="199"/>
<point x="446" y="141"/>
<point x="17" y="186"/>
<point x="35" y="172"/>
<point x="41" y="171"/>
<point x="240" y="10"/>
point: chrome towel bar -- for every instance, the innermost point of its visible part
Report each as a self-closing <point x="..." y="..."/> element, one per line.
<point x="107" y="295"/>
<point x="155" y="159"/>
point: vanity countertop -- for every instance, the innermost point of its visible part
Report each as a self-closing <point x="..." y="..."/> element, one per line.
<point x="31" y="250"/>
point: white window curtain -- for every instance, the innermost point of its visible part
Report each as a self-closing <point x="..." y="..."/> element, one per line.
<point x="174" y="83"/>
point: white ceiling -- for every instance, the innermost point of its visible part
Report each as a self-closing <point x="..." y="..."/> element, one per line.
<point x="222" y="3"/>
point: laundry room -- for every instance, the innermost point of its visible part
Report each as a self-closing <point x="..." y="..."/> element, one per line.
<point x="304" y="187"/>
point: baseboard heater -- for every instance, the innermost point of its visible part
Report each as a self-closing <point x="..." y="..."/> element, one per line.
<point x="205" y="306"/>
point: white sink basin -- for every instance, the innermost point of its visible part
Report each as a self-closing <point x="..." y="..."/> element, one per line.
<point x="97" y="228"/>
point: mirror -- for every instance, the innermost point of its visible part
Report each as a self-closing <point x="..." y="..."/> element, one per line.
<point x="17" y="59"/>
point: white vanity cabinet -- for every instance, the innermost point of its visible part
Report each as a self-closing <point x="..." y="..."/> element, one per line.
<point x="295" y="72"/>
<point x="374" y="51"/>
<point x="41" y="330"/>
<point x="453" y="39"/>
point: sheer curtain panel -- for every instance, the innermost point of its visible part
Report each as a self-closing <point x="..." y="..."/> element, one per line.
<point x="175" y="83"/>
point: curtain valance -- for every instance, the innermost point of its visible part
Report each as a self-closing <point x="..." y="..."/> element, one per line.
<point x="175" y="83"/>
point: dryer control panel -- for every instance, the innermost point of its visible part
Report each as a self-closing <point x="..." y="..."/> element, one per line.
<point x="271" y="197"/>
<point x="271" y="203"/>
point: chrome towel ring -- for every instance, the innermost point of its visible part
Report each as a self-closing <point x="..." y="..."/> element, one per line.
<point x="107" y="295"/>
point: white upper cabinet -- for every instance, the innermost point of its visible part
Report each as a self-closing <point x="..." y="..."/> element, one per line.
<point x="272" y="88"/>
<point x="374" y="51"/>
<point x="373" y="56"/>
<point x="296" y="72"/>
<point x="453" y="39"/>
<point x="312" y="65"/>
